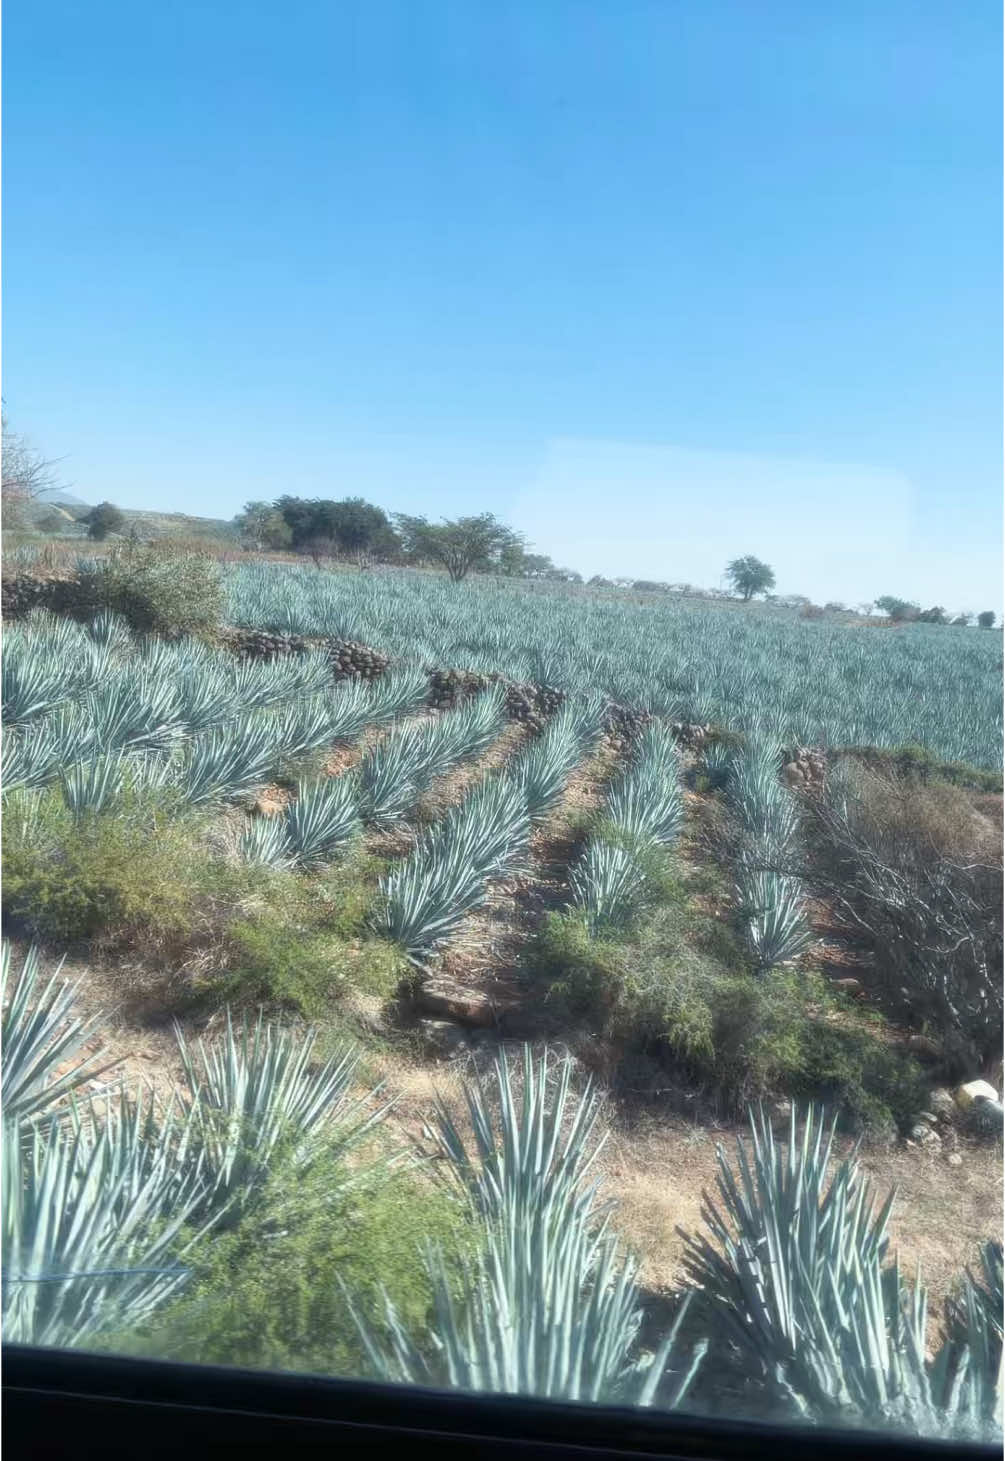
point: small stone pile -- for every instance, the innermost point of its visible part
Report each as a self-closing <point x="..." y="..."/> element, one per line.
<point x="60" y="593"/>
<point x="806" y="770"/>
<point x="524" y="702"/>
<point x="349" y="659"/>
<point x="262" y="644"/>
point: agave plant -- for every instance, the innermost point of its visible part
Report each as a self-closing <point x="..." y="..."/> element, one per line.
<point x="227" y="759"/>
<point x="399" y="768"/>
<point x="428" y="893"/>
<point x="92" y="786"/>
<point x="40" y="1033"/>
<point x="109" y="630"/>
<point x="257" y="1092"/>
<point x="265" y="840"/>
<point x="542" y="772"/>
<point x="770" y="907"/>
<point x="30" y="687"/>
<point x="606" y="883"/>
<point x="974" y="1320"/>
<point x="321" y="819"/>
<point x="91" y="1231"/>
<point x="792" y="1270"/>
<point x="550" y="1306"/>
<point x="136" y="713"/>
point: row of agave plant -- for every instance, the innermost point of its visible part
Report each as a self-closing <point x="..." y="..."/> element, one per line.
<point x="447" y="874"/>
<point x="101" y="716"/>
<point x="770" y="900"/>
<point x="104" y="1203"/>
<point x="644" y="809"/>
<point x="808" y="683"/>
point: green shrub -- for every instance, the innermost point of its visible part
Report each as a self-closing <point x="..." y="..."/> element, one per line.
<point x="678" y="988"/>
<point x="157" y="589"/>
<point x="268" y="1295"/>
<point x="305" y="967"/>
<point x="124" y="876"/>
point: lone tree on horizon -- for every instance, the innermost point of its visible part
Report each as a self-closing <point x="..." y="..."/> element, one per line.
<point x="102" y="520"/>
<point x="460" y="545"/>
<point x="987" y="619"/>
<point x="749" y="576"/>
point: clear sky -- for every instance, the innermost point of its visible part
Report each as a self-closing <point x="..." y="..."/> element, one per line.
<point x="659" y="281"/>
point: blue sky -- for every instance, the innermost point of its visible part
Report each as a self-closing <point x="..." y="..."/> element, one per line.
<point x="660" y="283"/>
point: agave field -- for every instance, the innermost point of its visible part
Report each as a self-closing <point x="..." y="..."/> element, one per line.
<point x="805" y="682"/>
<point x="111" y="1199"/>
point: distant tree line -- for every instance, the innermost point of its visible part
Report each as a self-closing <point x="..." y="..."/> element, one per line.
<point x="356" y="531"/>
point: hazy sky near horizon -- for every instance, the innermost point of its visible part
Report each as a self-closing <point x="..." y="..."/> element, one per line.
<point x="659" y="281"/>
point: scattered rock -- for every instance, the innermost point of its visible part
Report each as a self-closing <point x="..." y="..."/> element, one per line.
<point x="940" y="1100"/>
<point x="924" y="1135"/>
<point x="454" y="1002"/>
<point x="923" y="1046"/>
<point x="928" y="1116"/>
<point x="780" y="1112"/>
<point x="954" y="1159"/>
<point x="971" y="1091"/>
<point x="444" y="1037"/>
<point x="847" y="985"/>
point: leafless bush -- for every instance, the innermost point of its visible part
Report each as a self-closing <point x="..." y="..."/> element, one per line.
<point x="916" y="871"/>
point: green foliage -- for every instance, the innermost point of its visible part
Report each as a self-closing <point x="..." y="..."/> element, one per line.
<point x="156" y="589"/>
<point x="749" y="576"/>
<point x="304" y="967"/>
<point x="104" y="519"/>
<point x="459" y="545"/>
<point x="126" y="875"/>
<point x="676" y="984"/>
<point x="986" y="618"/>
<point x="262" y="525"/>
<point x="268" y="1295"/>
<point x="899" y="610"/>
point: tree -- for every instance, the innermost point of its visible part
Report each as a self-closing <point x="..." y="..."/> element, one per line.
<point x="987" y="619"/>
<point x="459" y="544"/>
<point x="319" y="548"/>
<point x="104" y="519"/>
<point x="25" y="475"/>
<point x="261" y="525"/>
<point x="749" y="576"/>
<point x="964" y="618"/>
<point x="899" y="610"/>
<point x="357" y="528"/>
<point x="935" y="615"/>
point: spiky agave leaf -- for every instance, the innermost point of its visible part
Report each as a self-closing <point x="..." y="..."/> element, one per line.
<point x="322" y="818"/>
<point x="40" y="1032"/>
<point x="542" y="771"/>
<point x="228" y="759"/>
<point x="973" y="1342"/>
<point x="792" y="1268"/>
<point x="771" y="910"/>
<point x="606" y="883"/>
<point x="30" y="687"/>
<point x="29" y="759"/>
<point x="91" y="786"/>
<point x="399" y="768"/>
<point x="91" y="1231"/>
<point x="428" y="893"/>
<point x="109" y="630"/>
<point x="135" y="713"/>
<point x="549" y="1306"/>
<point x="257" y="1090"/>
<point x="265" y="840"/>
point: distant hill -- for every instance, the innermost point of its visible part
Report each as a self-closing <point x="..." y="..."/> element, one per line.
<point x="150" y="525"/>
